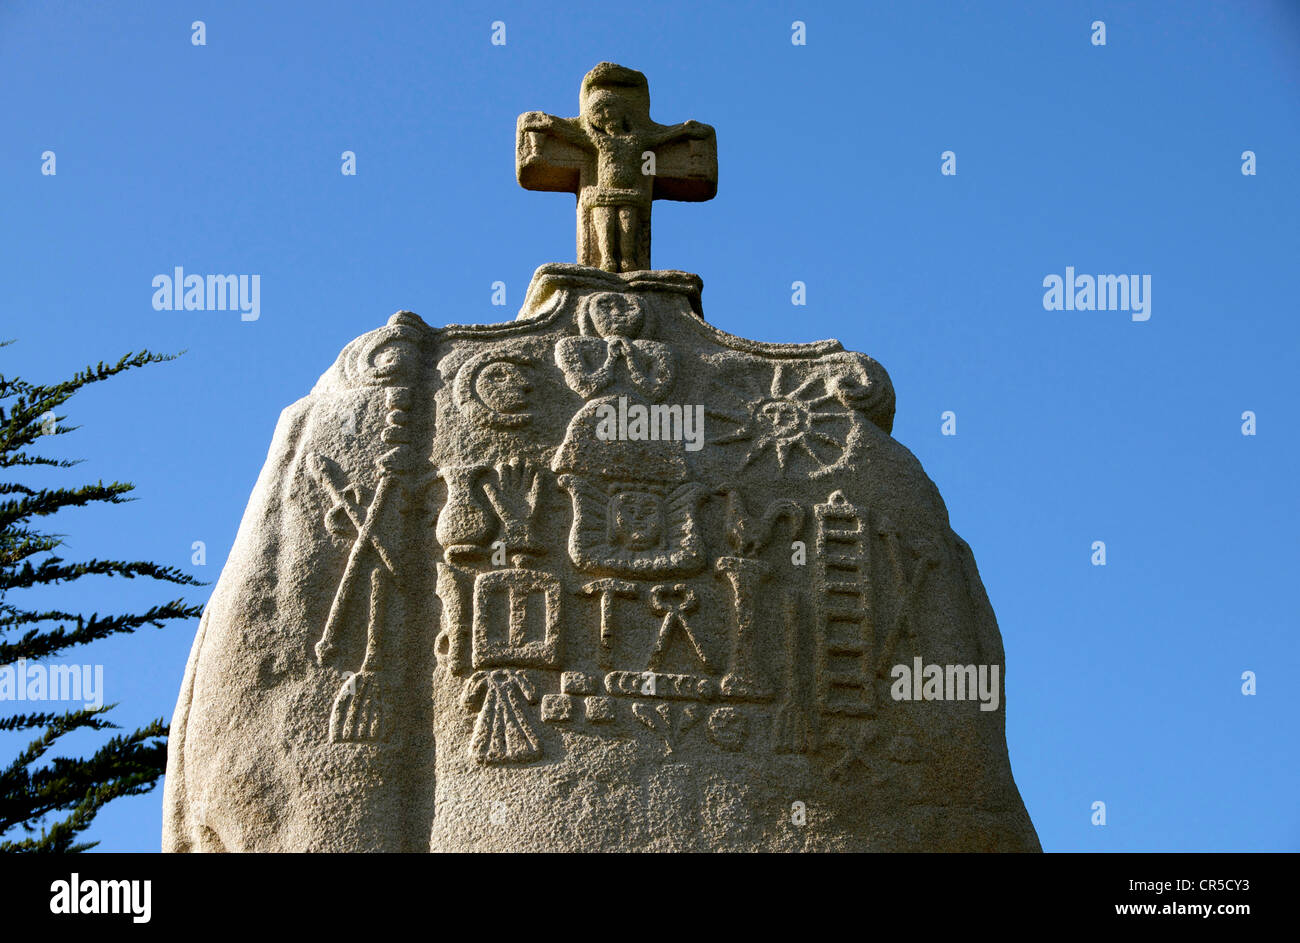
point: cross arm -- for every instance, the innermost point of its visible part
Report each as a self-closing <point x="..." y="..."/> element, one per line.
<point x="686" y="159"/>
<point x="686" y="131"/>
<point x="550" y="152"/>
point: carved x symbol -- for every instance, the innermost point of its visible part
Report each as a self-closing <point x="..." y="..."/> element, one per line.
<point x="674" y="614"/>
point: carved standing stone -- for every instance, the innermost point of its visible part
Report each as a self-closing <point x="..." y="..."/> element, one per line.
<point x="501" y="573"/>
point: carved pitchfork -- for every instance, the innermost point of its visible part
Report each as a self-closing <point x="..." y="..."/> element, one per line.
<point x="357" y="713"/>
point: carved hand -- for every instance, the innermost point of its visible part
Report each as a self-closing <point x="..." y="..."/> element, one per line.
<point x="535" y="121"/>
<point x="514" y="497"/>
<point x="695" y="129"/>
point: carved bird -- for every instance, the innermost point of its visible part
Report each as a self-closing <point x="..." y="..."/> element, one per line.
<point x="748" y="535"/>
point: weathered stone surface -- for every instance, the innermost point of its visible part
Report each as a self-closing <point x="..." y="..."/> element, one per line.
<point x="472" y="606"/>
<point x="602" y="156"/>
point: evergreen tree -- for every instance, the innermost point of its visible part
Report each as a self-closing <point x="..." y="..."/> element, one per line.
<point x="35" y="786"/>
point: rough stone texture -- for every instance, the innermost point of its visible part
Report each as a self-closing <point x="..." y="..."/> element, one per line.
<point x="601" y="156"/>
<point x="459" y="615"/>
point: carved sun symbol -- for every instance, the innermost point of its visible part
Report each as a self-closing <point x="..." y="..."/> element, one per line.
<point x="795" y="422"/>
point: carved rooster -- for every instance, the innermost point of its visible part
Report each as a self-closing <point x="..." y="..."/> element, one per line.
<point x="748" y="535"/>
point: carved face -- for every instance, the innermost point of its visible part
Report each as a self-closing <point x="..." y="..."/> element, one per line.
<point x="615" y="315"/>
<point x="502" y="386"/>
<point x="393" y="358"/>
<point x="636" y="520"/>
<point x="607" y="111"/>
<point x="783" y="419"/>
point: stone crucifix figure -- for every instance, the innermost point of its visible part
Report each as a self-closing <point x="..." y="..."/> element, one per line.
<point x="617" y="160"/>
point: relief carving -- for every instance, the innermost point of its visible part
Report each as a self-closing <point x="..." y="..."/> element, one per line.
<point x="502" y="731"/>
<point x="614" y="357"/>
<point x="373" y="570"/>
<point x="493" y="388"/>
<point x="670" y="721"/>
<point x="516" y="618"/>
<point x="748" y="536"/>
<point x="795" y="424"/>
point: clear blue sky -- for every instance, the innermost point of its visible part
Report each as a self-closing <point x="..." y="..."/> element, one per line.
<point x="1123" y="681"/>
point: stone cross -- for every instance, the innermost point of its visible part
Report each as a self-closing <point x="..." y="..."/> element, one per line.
<point x="617" y="160"/>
